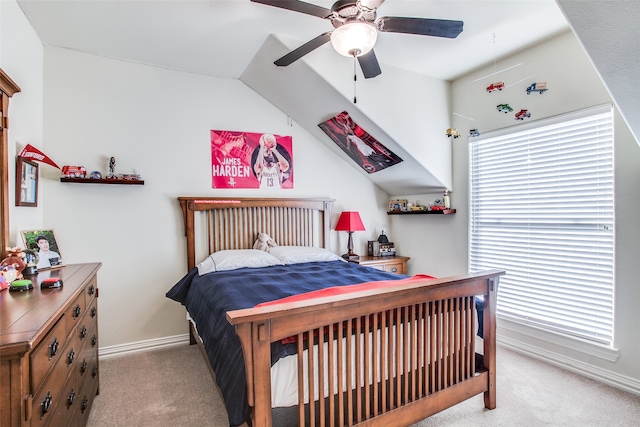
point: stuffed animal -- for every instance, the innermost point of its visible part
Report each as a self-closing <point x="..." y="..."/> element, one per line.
<point x="264" y="242"/>
<point x="8" y="274"/>
<point x="15" y="259"/>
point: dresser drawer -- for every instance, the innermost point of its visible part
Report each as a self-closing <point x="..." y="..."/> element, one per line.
<point x="67" y="404"/>
<point x="76" y="310"/>
<point x="46" y="400"/>
<point x="47" y="353"/>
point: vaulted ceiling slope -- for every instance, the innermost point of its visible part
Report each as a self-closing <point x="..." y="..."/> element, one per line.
<point x="234" y="39"/>
<point x="609" y="32"/>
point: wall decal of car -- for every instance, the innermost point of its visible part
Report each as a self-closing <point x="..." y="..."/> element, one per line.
<point x="452" y="132"/>
<point x="474" y="132"/>
<point x="540" y="87"/>
<point x="504" y="108"/>
<point x="523" y="114"/>
<point x="495" y="86"/>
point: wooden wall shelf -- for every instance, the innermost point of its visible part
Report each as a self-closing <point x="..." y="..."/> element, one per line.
<point x="438" y="212"/>
<point x="103" y="181"/>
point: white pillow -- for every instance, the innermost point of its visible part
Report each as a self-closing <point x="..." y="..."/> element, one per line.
<point x="233" y="259"/>
<point x="298" y="254"/>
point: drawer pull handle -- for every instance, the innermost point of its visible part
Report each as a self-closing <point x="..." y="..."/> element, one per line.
<point x="94" y="311"/>
<point x="91" y="290"/>
<point x="53" y="348"/>
<point x="46" y="404"/>
<point x="94" y="372"/>
<point x="83" y="332"/>
<point x="94" y="341"/>
<point x="394" y="270"/>
<point x="77" y="311"/>
<point x="71" y="357"/>
<point x="84" y="405"/>
<point x="83" y="367"/>
<point x="71" y="396"/>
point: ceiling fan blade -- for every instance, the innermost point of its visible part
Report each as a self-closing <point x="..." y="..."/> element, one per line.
<point x="298" y="6"/>
<point x="369" y="65"/>
<point x="420" y="26"/>
<point x="298" y="53"/>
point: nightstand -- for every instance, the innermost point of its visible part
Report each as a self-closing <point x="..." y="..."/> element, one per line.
<point x="392" y="264"/>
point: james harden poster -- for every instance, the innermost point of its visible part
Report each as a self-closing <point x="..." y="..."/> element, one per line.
<point x="251" y="160"/>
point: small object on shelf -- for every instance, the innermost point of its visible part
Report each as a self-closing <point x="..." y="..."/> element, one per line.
<point x="95" y="175"/>
<point x="112" y="168"/>
<point x="74" y="171"/>
<point x="130" y="177"/>
<point x="446" y="200"/>
<point x="398" y="205"/>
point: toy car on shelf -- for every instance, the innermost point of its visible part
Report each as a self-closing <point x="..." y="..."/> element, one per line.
<point x="495" y="86"/>
<point x="523" y="114"/>
<point x="453" y="132"/>
<point x="504" y="108"/>
<point x="540" y="87"/>
<point x="474" y="132"/>
<point x="74" y="171"/>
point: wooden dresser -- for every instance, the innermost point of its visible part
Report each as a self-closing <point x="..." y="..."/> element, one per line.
<point x="49" y="350"/>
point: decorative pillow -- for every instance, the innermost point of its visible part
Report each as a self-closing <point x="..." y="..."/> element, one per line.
<point x="233" y="259"/>
<point x="298" y="254"/>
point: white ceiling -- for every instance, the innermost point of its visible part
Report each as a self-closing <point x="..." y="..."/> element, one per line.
<point x="220" y="37"/>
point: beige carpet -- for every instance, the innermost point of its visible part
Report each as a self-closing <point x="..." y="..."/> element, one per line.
<point x="173" y="388"/>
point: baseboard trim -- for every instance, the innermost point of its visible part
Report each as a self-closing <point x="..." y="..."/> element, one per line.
<point x="142" y="346"/>
<point x="605" y="376"/>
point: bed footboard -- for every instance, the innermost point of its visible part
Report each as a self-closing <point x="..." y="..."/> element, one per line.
<point x="388" y="357"/>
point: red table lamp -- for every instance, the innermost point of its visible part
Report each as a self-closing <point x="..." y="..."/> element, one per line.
<point x="350" y="222"/>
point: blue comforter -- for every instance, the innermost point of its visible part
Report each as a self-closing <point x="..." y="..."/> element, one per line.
<point x="209" y="297"/>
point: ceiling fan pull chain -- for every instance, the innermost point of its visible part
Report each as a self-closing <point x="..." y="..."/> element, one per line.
<point x="355" y="78"/>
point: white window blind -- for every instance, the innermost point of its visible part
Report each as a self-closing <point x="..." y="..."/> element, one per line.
<point x="542" y="210"/>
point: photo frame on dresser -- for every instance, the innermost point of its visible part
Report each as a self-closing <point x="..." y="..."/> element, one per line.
<point x="45" y="245"/>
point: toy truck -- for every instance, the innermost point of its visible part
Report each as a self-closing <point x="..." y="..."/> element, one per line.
<point x="540" y="87"/>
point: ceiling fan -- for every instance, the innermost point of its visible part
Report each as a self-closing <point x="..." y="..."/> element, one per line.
<point x="356" y="29"/>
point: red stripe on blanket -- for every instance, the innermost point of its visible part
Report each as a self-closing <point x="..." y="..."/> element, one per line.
<point x="341" y="290"/>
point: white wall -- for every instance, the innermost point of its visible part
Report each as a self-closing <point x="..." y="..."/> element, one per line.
<point x="157" y="122"/>
<point x="21" y="59"/>
<point x="573" y="84"/>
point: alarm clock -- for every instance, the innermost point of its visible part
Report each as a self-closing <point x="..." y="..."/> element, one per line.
<point x="20" y="285"/>
<point x="54" y="282"/>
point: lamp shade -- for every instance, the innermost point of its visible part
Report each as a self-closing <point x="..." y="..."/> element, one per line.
<point x="349" y="221"/>
<point x="354" y="38"/>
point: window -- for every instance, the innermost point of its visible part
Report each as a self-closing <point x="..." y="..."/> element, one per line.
<point x="542" y="209"/>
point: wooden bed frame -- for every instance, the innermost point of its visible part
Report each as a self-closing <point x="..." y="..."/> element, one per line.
<point x="428" y="325"/>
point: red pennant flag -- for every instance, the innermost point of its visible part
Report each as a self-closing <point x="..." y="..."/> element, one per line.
<point x="31" y="152"/>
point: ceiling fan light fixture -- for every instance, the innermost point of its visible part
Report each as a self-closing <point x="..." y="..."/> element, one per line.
<point x="354" y="38"/>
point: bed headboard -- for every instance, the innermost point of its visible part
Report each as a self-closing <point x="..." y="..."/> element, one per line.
<point x="217" y="223"/>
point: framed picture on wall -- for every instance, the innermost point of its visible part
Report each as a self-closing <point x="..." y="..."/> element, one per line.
<point x="45" y="245"/>
<point x="26" y="182"/>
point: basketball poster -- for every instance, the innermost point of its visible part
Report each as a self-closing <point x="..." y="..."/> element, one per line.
<point x="363" y="148"/>
<point x="251" y="160"/>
